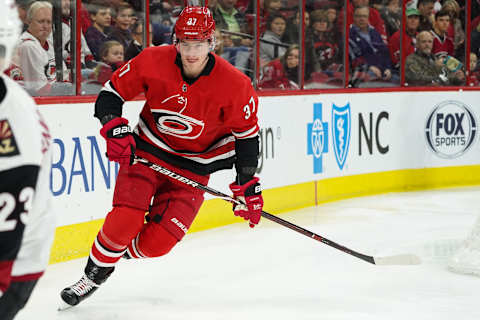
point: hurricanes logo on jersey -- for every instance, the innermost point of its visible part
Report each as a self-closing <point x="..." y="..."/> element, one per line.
<point x="170" y="120"/>
<point x="50" y="70"/>
<point x="8" y="145"/>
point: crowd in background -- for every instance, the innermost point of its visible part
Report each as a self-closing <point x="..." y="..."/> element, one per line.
<point x="112" y="32"/>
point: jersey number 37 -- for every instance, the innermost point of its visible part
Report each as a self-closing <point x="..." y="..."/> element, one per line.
<point x="249" y="108"/>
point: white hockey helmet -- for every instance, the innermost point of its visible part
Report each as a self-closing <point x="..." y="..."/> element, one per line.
<point x="10" y="28"/>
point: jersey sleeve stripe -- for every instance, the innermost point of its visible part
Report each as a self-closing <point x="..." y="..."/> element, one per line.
<point x="108" y="87"/>
<point x="250" y="133"/>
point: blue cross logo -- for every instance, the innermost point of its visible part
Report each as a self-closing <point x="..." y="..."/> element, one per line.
<point x="317" y="138"/>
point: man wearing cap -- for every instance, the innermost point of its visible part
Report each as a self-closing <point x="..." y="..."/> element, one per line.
<point x="411" y="29"/>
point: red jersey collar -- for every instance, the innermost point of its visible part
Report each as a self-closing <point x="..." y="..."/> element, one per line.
<point x="205" y="72"/>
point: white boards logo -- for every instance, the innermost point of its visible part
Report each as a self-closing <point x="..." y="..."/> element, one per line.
<point x="451" y="129"/>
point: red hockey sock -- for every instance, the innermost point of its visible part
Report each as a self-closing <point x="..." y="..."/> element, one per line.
<point x="121" y="225"/>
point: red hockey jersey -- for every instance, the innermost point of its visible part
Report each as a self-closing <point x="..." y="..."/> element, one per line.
<point x="409" y="43"/>
<point x="190" y="124"/>
<point x="442" y="45"/>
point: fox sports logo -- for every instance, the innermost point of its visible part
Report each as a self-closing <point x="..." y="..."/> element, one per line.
<point x="451" y="129"/>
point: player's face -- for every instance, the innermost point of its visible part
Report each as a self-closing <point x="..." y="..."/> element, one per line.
<point x="194" y="54"/>
<point x="115" y="54"/>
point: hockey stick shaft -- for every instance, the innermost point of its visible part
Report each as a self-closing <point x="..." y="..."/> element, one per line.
<point x="393" y="260"/>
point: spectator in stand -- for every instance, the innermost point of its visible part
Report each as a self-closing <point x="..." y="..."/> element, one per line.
<point x="22" y="7"/>
<point x="35" y="55"/>
<point x="227" y="17"/>
<point x="475" y="41"/>
<point x="293" y="28"/>
<point x="162" y="32"/>
<point x="455" y="30"/>
<point x="291" y="36"/>
<point x="474" y="80"/>
<point x="239" y="57"/>
<point x="369" y="55"/>
<point x="411" y="29"/>
<point x="282" y="73"/>
<point x="242" y="5"/>
<point x="442" y="43"/>
<point x="374" y="19"/>
<point x="136" y="46"/>
<point x="96" y="34"/>
<point x="276" y="25"/>
<point x="124" y="19"/>
<point x="112" y="53"/>
<point x="391" y="13"/>
<point x="87" y="59"/>
<point x="421" y="68"/>
<point x="325" y="42"/>
<point x="427" y="15"/>
<point x="218" y="43"/>
<point x="85" y="21"/>
<point x="332" y="16"/>
<point x="269" y="7"/>
<point x="112" y="58"/>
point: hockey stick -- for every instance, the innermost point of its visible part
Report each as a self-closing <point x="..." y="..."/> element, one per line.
<point x="402" y="259"/>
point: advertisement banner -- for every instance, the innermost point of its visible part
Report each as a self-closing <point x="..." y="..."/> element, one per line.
<point x="302" y="138"/>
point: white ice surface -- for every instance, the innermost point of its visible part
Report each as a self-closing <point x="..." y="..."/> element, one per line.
<point x="272" y="272"/>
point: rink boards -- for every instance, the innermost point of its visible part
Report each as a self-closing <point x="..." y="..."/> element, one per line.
<point x="314" y="149"/>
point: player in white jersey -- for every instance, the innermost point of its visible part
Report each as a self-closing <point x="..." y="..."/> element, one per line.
<point x="26" y="220"/>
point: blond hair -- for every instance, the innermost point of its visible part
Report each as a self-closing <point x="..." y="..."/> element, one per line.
<point x="37" y="5"/>
<point x="106" y="46"/>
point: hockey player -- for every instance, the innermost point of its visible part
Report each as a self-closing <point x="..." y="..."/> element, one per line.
<point x="200" y="116"/>
<point x="26" y="221"/>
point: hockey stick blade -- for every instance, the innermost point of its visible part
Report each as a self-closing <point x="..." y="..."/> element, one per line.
<point x="405" y="259"/>
<point x="401" y="260"/>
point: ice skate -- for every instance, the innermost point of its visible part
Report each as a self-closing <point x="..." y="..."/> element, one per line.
<point x="92" y="279"/>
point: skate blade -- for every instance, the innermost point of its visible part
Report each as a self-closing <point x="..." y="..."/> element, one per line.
<point x="64" y="306"/>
